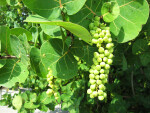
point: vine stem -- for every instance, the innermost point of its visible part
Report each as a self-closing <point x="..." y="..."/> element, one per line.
<point x="132" y="85"/>
<point x="60" y="4"/>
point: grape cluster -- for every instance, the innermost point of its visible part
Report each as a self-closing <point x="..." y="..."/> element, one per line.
<point x="54" y="85"/>
<point x="102" y="59"/>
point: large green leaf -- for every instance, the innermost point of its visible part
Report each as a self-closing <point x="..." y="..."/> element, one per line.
<point x="17" y="102"/>
<point x="5" y="39"/>
<point x="76" y="29"/>
<point x="89" y="54"/>
<point x="51" y="9"/>
<point x="60" y="60"/>
<point x="21" y="31"/>
<point x="13" y="71"/>
<point x="36" y="62"/>
<point x="85" y="15"/>
<point x="18" y="49"/>
<point x="133" y="14"/>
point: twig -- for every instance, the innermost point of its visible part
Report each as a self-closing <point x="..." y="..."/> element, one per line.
<point x="8" y="57"/>
<point x="132" y="84"/>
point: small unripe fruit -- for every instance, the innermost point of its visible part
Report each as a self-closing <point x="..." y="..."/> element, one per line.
<point x="91" y="25"/>
<point x="91" y="71"/>
<point x="105" y="59"/>
<point x="96" y="72"/>
<point x="96" y="54"/>
<point x="107" y="66"/>
<point x="97" y="77"/>
<point x="95" y="93"/>
<point x="101" y="50"/>
<point x="94" y="41"/>
<point x="98" y="67"/>
<point x="101" y="55"/>
<point x="111" y="56"/>
<point x="102" y="64"/>
<point x="92" y="87"/>
<point x="100" y="40"/>
<point x="49" y="91"/>
<point x="109" y="61"/>
<point x="99" y="82"/>
<point x="106" y="52"/>
<point x="98" y="30"/>
<point x="101" y="35"/>
<point x="91" y="96"/>
<point x="99" y="59"/>
<point x="102" y="76"/>
<point x="100" y="97"/>
<point x="97" y="18"/>
<point x="102" y="87"/>
<point x="96" y="35"/>
<point x="96" y="23"/>
<point x="92" y="81"/>
<point x="92" y="76"/>
<point x="89" y="91"/>
<point x="102" y="71"/>
<point x="100" y="92"/>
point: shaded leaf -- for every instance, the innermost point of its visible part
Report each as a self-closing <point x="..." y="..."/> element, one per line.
<point x="36" y="62"/>
<point x="21" y="31"/>
<point x="59" y="59"/>
<point x="5" y="40"/>
<point x="139" y="45"/>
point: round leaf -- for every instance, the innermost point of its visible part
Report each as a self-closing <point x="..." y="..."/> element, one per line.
<point x="57" y="57"/>
<point x="110" y="11"/>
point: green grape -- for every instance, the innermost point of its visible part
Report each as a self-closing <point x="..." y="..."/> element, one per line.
<point x="92" y="81"/>
<point x="98" y="67"/>
<point x="91" y="25"/>
<point x="96" y="23"/>
<point x="95" y="93"/>
<point x="98" y="30"/>
<point x="92" y="76"/>
<point x="102" y="59"/>
<point x="92" y="87"/>
<point x="89" y="91"/>
<point x="97" y="77"/>
<point x="102" y="71"/>
<point x="102" y="64"/>
<point x="97" y="18"/>
<point x="99" y="82"/>
<point x="100" y="97"/>
<point x="96" y="35"/>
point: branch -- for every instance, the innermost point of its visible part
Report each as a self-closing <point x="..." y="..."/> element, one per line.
<point x="8" y="57"/>
<point x="132" y="84"/>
